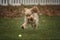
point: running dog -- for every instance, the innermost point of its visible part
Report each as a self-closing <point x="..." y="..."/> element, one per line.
<point x="30" y="17"/>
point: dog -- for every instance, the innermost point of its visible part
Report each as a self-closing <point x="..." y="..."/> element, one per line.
<point x="30" y="17"/>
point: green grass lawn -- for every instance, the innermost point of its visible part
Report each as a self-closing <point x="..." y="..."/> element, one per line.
<point x="49" y="29"/>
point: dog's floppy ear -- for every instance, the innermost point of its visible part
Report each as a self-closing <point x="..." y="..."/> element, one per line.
<point x="35" y="9"/>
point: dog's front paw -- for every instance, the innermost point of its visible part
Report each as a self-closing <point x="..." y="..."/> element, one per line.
<point x="22" y="27"/>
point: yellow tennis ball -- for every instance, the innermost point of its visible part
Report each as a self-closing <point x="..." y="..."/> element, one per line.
<point x="20" y="35"/>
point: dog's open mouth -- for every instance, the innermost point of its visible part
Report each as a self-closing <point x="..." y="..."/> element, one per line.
<point x="30" y="20"/>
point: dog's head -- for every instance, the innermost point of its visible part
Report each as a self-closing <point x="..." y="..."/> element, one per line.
<point x="28" y="12"/>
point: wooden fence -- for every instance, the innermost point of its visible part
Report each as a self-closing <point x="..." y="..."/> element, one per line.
<point x="30" y="2"/>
